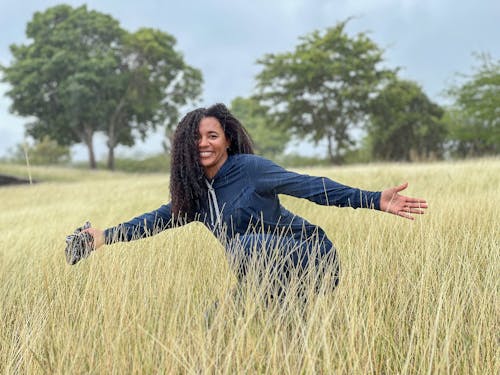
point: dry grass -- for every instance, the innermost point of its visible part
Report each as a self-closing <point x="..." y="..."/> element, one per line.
<point x="415" y="297"/>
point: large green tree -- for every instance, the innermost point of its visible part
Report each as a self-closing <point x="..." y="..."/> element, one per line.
<point x="56" y="77"/>
<point x="405" y="124"/>
<point x="268" y="139"/>
<point x="151" y="82"/>
<point x="474" y="118"/>
<point x="82" y="73"/>
<point x="322" y="89"/>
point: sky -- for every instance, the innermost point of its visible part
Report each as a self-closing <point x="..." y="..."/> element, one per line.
<point x="430" y="40"/>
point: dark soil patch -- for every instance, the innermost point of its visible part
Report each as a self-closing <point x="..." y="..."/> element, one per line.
<point x="6" y="180"/>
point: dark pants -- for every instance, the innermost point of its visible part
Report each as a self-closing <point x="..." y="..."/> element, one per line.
<point x="283" y="264"/>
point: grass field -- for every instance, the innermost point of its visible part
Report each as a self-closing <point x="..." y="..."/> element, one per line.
<point x="416" y="297"/>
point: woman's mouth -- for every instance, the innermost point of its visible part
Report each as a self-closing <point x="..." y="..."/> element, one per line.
<point x="205" y="154"/>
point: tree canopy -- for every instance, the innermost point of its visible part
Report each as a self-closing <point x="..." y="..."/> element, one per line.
<point x="269" y="141"/>
<point x="405" y="124"/>
<point x="322" y="89"/>
<point x="474" y="119"/>
<point x="81" y="73"/>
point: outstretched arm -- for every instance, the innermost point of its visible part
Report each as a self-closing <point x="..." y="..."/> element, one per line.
<point x="269" y="177"/>
<point x="142" y="226"/>
<point x="393" y="202"/>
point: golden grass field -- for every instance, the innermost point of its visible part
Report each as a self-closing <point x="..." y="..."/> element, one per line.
<point x="417" y="297"/>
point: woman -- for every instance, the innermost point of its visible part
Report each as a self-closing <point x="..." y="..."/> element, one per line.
<point x="216" y="179"/>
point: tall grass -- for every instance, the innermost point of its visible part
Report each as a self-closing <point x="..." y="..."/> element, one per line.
<point x="414" y="298"/>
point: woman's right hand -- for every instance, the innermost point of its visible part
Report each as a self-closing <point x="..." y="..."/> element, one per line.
<point x="98" y="236"/>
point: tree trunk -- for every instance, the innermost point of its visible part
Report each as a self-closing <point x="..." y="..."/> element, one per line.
<point x="92" y="162"/>
<point x="111" y="146"/>
<point x="113" y="122"/>
<point x="331" y="156"/>
<point x="111" y="157"/>
<point x="333" y="152"/>
<point x="88" y="135"/>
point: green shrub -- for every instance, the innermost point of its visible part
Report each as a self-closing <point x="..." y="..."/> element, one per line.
<point x="42" y="152"/>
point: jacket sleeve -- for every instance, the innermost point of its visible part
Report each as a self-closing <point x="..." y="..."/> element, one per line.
<point x="272" y="179"/>
<point x="145" y="225"/>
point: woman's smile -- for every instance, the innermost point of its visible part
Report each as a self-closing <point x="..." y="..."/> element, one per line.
<point x="212" y="145"/>
<point x="205" y="154"/>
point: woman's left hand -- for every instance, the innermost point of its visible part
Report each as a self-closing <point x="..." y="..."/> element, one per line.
<point x="393" y="202"/>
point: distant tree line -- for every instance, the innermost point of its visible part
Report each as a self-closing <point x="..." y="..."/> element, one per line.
<point x="81" y="73"/>
<point x="334" y="84"/>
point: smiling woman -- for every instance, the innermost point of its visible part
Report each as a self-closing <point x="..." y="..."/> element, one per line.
<point x="213" y="145"/>
<point x="216" y="180"/>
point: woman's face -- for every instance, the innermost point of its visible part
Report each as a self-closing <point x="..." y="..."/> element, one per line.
<point x="212" y="145"/>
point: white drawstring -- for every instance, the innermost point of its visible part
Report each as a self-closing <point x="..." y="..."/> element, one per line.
<point x="212" y="201"/>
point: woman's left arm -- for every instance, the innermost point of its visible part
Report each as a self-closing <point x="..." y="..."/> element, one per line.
<point x="270" y="178"/>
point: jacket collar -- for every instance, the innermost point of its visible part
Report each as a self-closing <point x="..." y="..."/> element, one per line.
<point x="223" y="169"/>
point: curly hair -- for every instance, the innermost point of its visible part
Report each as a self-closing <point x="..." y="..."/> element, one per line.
<point x="187" y="185"/>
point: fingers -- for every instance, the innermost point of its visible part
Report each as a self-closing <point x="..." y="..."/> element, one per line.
<point x="407" y="212"/>
<point x="415" y="211"/>
<point x="90" y="230"/>
<point x="406" y="199"/>
<point x="98" y="236"/>
<point x="416" y="204"/>
<point x="403" y="202"/>
<point x="415" y="200"/>
<point x="406" y="215"/>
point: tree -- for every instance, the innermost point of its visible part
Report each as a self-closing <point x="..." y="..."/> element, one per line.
<point x="150" y="84"/>
<point x="474" y="119"/>
<point x="323" y="88"/>
<point x="82" y="73"/>
<point x="269" y="141"/>
<point x="404" y="124"/>
<point x="56" y="77"/>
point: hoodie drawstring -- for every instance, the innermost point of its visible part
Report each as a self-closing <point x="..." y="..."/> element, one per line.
<point x="212" y="201"/>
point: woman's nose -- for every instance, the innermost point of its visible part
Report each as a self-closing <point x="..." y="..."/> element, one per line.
<point x="202" y="142"/>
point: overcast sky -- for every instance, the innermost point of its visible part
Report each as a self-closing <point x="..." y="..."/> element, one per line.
<point x="430" y="40"/>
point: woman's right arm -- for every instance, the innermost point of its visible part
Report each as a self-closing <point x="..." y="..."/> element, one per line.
<point x="142" y="226"/>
